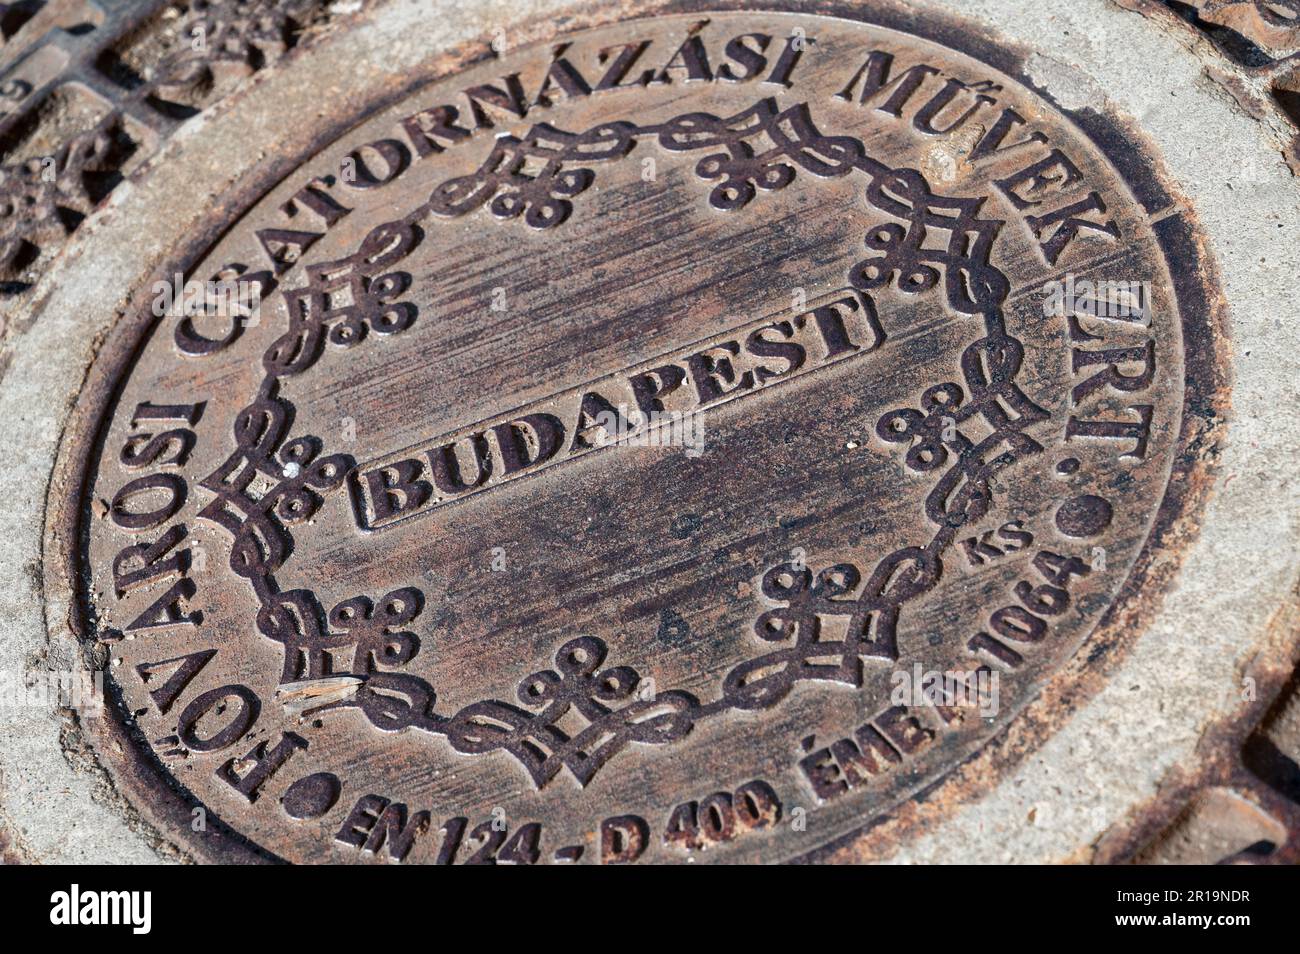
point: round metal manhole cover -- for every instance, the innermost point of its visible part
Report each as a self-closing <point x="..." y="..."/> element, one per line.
<point x="694" y="437"/>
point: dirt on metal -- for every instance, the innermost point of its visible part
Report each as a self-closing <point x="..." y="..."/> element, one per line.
<point x="725" y="435"/>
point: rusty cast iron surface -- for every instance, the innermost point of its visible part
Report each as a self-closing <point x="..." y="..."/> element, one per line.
<point x="692" y="434"/>
<point x="695" y="439"/>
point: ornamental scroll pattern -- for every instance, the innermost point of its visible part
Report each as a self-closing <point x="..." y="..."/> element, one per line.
<point x="936" y="240"/>
<point x="170" y="66"/>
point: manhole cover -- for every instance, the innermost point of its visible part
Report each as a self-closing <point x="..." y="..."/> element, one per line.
<point x="710" y="436"/>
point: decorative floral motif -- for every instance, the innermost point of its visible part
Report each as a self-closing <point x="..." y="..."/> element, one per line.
<point x="973" y="285"/>
<point x="380" y="642"/>
<point x="258" y="519"/>
<point x="577" y="683"/>
<point x="219" y="42"/>
<point x="344" y="298"/>
<point x="792" y="136"/>
<point x="542" y="197"/>
<point x="173" y="64"/>
<point x="527" y="178"/>
<point x="926" y="428"/>
<point x="44" y="199"/>
<point x="962" y="496"/>
<point x="871" y="630"/>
